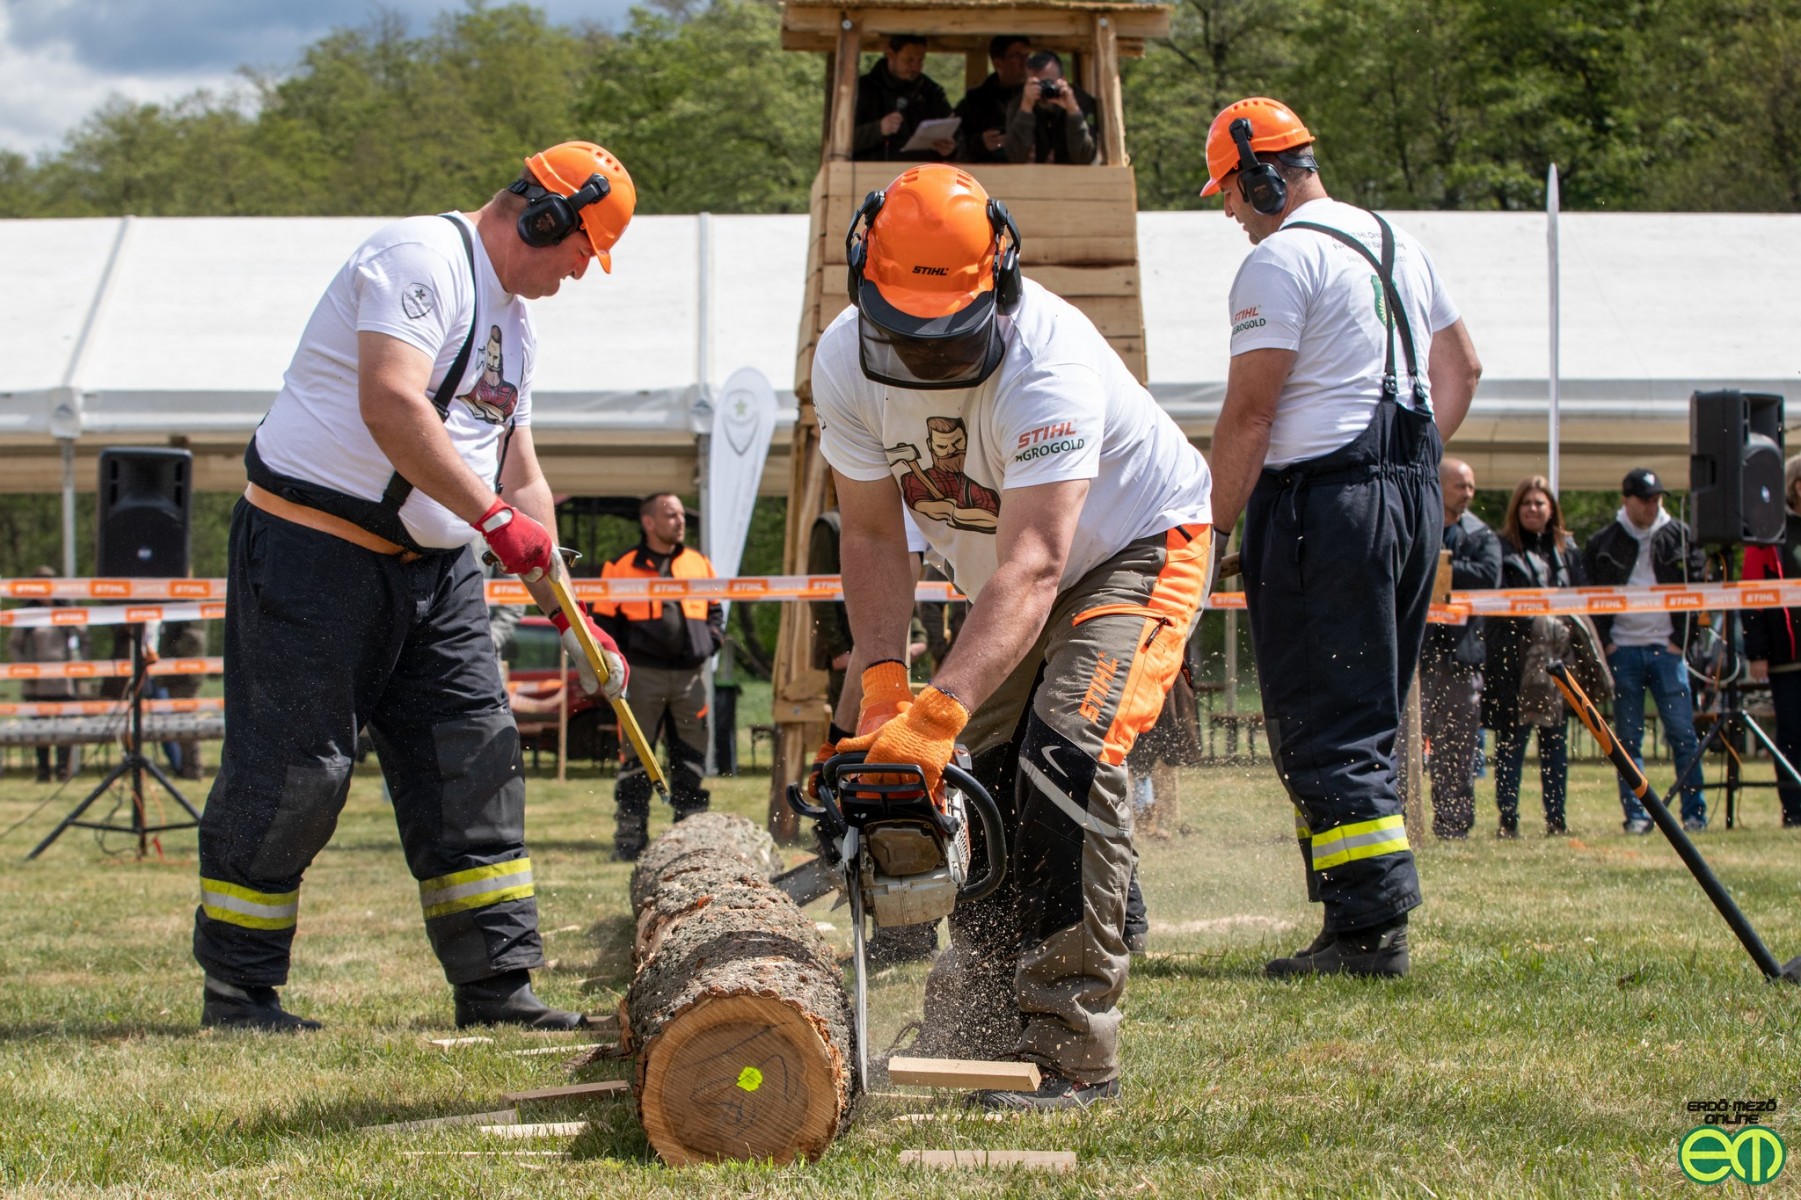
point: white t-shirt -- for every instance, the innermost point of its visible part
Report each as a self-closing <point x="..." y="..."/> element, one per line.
<point x="1301" y="290"/>
<point x="1061" y="406"/>
<point x="409" y="281"/>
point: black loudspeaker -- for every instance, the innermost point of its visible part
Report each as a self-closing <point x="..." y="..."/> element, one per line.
<point x="144" y="530"/>
<point x="1735" y="467"/>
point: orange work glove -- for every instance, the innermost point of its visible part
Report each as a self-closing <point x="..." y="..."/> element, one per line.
<point x="837" y="733"/>
<point x="886" y="695"/>
<point x="925" y="734"/>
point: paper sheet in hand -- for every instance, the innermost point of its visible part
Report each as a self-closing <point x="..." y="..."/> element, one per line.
<point x="929" y="132"/>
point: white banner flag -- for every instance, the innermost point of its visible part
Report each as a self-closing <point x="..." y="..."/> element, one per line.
<point x="743" y="423"/>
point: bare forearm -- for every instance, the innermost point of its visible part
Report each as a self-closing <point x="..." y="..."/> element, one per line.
<point x="412" y="437"/>
<point x="1236" y="459"/>
<point x="1454" y="371"/>
<point x="1005" y="622"/>
<point x="878" y="594"/>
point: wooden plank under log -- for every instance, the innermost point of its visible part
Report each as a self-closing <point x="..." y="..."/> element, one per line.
<point x="737" y="1013"/>
<point x="1042" y="1160"/>
<point x="964" y="1073"/>
<point x="573" y="1091"/>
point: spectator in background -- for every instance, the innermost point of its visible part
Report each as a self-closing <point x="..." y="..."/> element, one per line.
<point x="1518" y="695"/>
<point x="1642" y="546"/>
<point x="1451" y="662"/>
<point x="892" y="99"/>
<point x="1052" y="120"/>
<point x="49" y="643"/>
<point x="1773" y="641"/>
<point x="666" y="645"/>
<point x="183" y="639"/>
<point x="982" y="136"/>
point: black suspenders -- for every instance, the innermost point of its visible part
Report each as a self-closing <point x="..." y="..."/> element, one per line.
<point x="399" y="488"/>
<point x="1394" y="314"/>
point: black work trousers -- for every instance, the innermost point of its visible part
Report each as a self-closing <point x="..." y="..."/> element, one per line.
<point x="1339" y="557"/>
<point x="323" y="637"/>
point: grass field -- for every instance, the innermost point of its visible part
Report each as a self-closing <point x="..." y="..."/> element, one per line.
<point x="1568" y="998"/>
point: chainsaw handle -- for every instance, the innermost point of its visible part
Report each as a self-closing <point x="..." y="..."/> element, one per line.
<point x="826" y="812"/>
<point x="994" y="838"/>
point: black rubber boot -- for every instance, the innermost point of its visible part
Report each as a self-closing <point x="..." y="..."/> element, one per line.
<point x="629" y="837"/>
<point x="508" y="999"/>
<point x="1380" y="950"/>
<point x="1320" y="941"/>
<point x="1509" y="828"/>
<point x="227" y="1006"/>
<point x="1055" y="1094"/>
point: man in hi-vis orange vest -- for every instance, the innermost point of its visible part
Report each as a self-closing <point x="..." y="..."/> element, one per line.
<point x="666" y="645"/>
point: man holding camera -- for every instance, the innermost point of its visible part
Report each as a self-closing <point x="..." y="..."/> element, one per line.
<point x="1052" y="120"/>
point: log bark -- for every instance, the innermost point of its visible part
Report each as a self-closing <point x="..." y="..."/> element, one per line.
<point x="737" y="1015"/>
<point x="714" y="832"/>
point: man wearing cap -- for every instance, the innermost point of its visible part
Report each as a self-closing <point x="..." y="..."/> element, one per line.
<point x="1644" y="545"/>
<point x="1349" y="367"/>
<point x="1073" y="512"/>
<point x="400" y="443"/>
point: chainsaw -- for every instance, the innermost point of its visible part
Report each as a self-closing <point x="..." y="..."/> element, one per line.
<point x="899" y="856"/>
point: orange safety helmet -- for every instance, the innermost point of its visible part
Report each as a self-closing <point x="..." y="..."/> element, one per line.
<point x="1274" y="128"/>
<point x="933" y="261"/>
<point x="565" y="170"/>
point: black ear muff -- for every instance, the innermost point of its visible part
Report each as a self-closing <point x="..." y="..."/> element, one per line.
<point x="1008" y="284"/>
<point x="855" y="252"/>
<point x="1262" y="187"/>
<point x="549" y="218"/>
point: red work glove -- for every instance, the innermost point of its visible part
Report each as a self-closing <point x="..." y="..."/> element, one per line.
<point x="523" y="546"/>
<point x="886" y="694"/>
<point x="925" y="734"/>
<point x="617" y="672"/>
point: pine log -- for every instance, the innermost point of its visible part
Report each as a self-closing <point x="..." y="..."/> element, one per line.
<point x="718" y="832"/>
<point x="737" y="1015"/>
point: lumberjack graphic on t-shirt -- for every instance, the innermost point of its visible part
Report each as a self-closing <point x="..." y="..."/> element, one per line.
<point x="942" y="492"/>
<point x="492" y="398"/>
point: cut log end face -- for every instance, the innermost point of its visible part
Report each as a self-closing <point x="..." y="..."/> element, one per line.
<point x="741" y="1077"/>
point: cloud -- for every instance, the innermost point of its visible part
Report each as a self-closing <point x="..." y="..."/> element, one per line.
<point x="61" y="59"/>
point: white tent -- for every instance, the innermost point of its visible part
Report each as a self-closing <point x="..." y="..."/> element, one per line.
<point x="139" y="330"/>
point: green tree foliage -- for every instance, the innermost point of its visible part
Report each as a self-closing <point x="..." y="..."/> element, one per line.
<point x="709" y="113"/>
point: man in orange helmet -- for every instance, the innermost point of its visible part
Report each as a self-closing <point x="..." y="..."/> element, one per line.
<point x="1073" y="513"/>
<point x="1332" y="455"/>
<point x="356" y="600"/>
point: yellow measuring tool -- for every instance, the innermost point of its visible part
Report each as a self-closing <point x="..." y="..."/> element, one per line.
<point x="558" y="578"/>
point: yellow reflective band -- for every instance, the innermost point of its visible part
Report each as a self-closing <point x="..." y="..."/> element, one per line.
<point x="248" y="909"/>
<point x="1365" y="839"/>
<point x="477" y="887"/>
<point x="1301" y="832"/>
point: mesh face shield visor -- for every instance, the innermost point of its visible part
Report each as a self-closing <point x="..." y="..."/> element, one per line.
<point x="960" y="350"/>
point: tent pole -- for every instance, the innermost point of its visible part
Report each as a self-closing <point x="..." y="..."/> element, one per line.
<point x="1552" y="206"/>
<point x="68" y="448"/>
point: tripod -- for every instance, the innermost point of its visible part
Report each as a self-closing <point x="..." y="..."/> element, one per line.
<point x="1730" y="725"/>
<point x="134" y="763"/>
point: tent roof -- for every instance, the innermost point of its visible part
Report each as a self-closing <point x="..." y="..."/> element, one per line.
<point x="134" y="330"/>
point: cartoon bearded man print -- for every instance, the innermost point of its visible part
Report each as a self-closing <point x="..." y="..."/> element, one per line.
<point x="942" y="492"/>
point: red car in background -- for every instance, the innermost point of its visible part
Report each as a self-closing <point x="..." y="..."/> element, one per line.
<point x="535" y="682"/>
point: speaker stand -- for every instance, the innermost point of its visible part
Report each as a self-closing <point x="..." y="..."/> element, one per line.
<point x="1730" y="720"/>
<point x="135" y="764"/>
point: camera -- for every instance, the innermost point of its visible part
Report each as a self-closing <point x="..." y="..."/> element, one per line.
<point x="1050" y="89"/>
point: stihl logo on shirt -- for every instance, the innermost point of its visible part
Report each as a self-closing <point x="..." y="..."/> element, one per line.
<point x="931" y="270"/>
<point x="1045" y="433"/>
<point x="1246" y="318"/>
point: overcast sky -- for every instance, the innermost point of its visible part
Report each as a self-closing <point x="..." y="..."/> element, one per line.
<point x="60" y="59"/>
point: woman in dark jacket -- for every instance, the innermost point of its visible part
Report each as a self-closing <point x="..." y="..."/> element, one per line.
<point x="1773" y="641"/>
<point x="1517" y="695"/>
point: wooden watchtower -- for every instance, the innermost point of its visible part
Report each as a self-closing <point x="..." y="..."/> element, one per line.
<point x="1078" y="228"/>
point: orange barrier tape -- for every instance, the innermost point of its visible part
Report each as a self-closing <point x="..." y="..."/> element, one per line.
<point x="1514" y="602"/>
<point x="109" y="668"/>
<point x="103" y="708"/>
